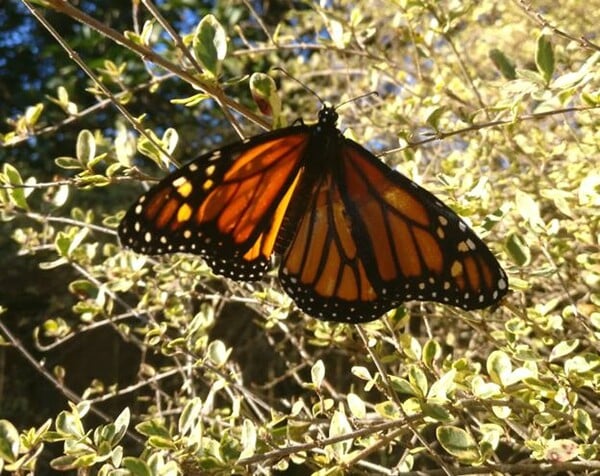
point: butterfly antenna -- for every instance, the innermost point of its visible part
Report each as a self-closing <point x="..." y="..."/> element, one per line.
<point x="277" y="68"/>
<point x="357" y="98"/>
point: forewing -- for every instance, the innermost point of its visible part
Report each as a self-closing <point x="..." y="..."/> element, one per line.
<point x="415" y="246"/>
<point x="226" y="206"/>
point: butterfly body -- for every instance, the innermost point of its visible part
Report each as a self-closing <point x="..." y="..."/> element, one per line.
<point x="355" y="237"/>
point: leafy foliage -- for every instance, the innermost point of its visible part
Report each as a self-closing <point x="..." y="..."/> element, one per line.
<point x="161" y="367"/>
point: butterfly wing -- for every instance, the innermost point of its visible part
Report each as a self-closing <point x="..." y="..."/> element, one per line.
<point x="371" y="238"/>
<point x="323" y="268"/>
<point x="226" y="206"/>
<point x="420" y="248"/>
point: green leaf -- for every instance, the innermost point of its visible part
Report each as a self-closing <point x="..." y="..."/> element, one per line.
<point x="388" y="410"/>
<point x="82" y="408"/>
<point x="189" y="415"/>
<point x="264" y="93"/>
<point x="418" y="380"/>
<point x="148" y="144"/>
<point x="53" y="264"/>
<point x="9" y="441"/>
<point x="62" y="243"/>
<point x="559" y="451"/>
<point x="340" y="426"/>
<point x="96" y="160"/>
<point x="248" y="439"/>
<point x="124" y="147"/>
<point x="483" y="389"/>
<point x="158" y="149"/>
<point x="529" y="209"/>
<point x="147" y="32"/>
<point x="153" y="428"/>
<point x="95" y="180"/>
<point x="518" y="375"/>
<point x="518" y="249"/>
<point x="69" y="424"/>
<point x="544" y="57"/>
<point x="401" y="385"/>
<point x="336" y="31"/>
<point x="433" y="115"/>
<point x="437" y="412"/>
<point x="121" y="425"/>
<point x="431" y="351"/>
<point x="32" y="114"/>
<point x="161" y="443"/>
<point x="563" y="348"/>
<point x="356" y="405"/>
<point x="582" y="424"/>
<point x="63" y="463"/>
<point x="86" y="147"/>
<point x="61" y="196"/>
<point x="458" y="442"/>
<point x="490" y="438"/>
<point x="441" y="387"/>
<point x="590" y="99"/>
<point x="133" y="37"/>
<point x="210" y="45"/>
<point x="581" y="364"/>
<point x="63" y="101"/>
<point x="218" y="353"/>
<point x="410" y="346"/>
<point x="361" y="372"/>
<point x="137" y="466"/>
<point x="317" y="373"/>
<point x="191" y="101"/>
<point x="77" y="240"/>
<point x="501" y="412"/>
<point x="170" y="139"/>
<point x="68" y="163"/>
<point x="503" y="64"/>
<point x="17" y="194"/>
<point x="499" y="367"/>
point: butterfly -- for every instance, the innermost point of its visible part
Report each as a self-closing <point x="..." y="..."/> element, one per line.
<point x="355" y="238"/>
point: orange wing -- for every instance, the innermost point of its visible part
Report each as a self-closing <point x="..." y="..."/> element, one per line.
<point x="371" y="238"/>
<point x="323" y="268"/>
<point x="227" y="205"/>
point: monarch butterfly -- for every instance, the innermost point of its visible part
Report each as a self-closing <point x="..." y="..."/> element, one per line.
<point x="355" y="237"/>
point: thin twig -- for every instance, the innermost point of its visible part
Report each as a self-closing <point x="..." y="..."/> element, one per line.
<point x="439" y="135"/>
<point x="539" y="18"/>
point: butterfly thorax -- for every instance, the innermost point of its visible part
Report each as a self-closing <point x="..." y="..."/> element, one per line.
<point x="324" y="146"/>
<point x="321" y="163"/>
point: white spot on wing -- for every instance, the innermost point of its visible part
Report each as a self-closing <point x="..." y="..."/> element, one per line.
<point x="179" y="182"/>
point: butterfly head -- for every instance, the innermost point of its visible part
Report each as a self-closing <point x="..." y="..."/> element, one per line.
<point x="328" y="117"/>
